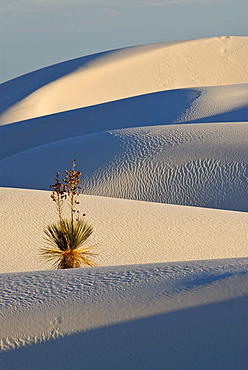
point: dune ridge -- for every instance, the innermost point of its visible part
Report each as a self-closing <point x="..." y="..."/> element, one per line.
<point x="128" y="287"/>
<point x="138" y="70"/>
<point x="200" y="165"/>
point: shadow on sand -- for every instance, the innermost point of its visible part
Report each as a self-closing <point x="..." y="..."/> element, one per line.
<point x="213" y="336"/>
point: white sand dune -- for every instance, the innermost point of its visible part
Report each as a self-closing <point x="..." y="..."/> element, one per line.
<point x="164" y="127"/>
<point x="200" y="165"/>
<point x="126" y="232"/>
<point x="168" y="316"/>
<point x="133" y="71"/>
<point x="201" y="105"/>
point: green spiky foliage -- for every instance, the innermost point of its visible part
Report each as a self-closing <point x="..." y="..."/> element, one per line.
<point x="66" y="237"/>
<point x="66" y="241"/>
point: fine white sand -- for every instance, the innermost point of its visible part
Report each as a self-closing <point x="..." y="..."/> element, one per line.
<point x="160" y="134"/>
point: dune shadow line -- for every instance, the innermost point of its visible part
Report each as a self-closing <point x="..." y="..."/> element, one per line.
<point x="213" y="336"/>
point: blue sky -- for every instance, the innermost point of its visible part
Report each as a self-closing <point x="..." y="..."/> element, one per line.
<point x="38" y="33"/>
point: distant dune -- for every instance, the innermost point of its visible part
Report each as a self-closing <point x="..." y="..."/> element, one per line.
<point x="130" y="72"/>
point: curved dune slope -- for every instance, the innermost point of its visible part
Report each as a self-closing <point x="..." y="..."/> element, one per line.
<point x="207" y="104"/>
<point x="180" y="314"/>
<point x="126" y="231"/>
<point x="20" y="87"/>
<point x="198" y="165"/>
<point x="135" y="71"/>
<point x="201" y="165"/>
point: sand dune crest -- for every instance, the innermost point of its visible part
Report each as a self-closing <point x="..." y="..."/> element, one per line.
<point x="139" y="70"/>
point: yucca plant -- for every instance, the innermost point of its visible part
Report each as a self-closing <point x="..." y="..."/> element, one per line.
<point x="65" y="238"/>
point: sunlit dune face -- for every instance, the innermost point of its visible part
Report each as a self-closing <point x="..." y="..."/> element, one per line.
<point x="136" y="71"/>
